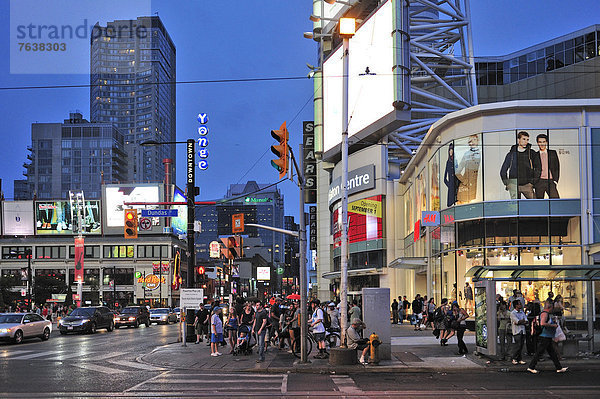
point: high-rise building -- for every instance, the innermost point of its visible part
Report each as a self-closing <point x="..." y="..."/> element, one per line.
<point x="75" y="155"/>
<point x="262" y="207"/>
<point x="132" y="75"/>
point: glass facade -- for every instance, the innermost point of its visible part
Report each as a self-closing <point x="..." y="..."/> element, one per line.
<point x="130" y="76"/>
<point x="508" y="199"/>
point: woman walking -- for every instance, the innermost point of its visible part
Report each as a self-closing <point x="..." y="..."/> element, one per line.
<point x="460" y="325"/>
<point x="232" y="329"/>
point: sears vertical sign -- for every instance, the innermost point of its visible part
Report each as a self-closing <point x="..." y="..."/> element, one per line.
<point x="312" y="221"/>
<point x="310" y="163"/>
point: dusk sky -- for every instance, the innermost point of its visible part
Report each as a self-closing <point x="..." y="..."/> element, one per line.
<point x="246" y="39"/>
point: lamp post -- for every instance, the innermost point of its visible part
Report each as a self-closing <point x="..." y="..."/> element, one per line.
<point x="191" y="206"/>
<point x="347" y="30"/>
<point x="29" y="277"/>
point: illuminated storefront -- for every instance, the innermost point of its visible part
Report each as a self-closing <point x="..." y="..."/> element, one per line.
<point x="513" y="186"/>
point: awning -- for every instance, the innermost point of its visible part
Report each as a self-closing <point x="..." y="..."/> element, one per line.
<point x="353" y="272"/>
<point x="408" y="263"/>
<point x="535" y="273"/>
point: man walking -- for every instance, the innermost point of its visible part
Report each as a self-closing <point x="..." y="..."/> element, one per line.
<point x="395" y="311"/>
<point x="260" y="328"/>
<point x="545" y="341"/>
<point x="405" y="307"/>
<point x="417" y="308"/>
<point x="548" y="168"/>
<point x="518" y="321"/>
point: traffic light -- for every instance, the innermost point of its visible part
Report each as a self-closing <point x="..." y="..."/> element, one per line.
<point x="280" y="150"/>
<point x="130" y="229"/>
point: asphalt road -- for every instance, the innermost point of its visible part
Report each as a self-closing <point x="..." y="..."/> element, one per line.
<point x="104" y="365"/>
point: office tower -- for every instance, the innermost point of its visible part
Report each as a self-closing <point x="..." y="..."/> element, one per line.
<point x="72" y="156"/>
<point x="132" y="75"/>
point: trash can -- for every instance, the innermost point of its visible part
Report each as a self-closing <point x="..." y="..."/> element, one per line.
<point x="190" y="332"/>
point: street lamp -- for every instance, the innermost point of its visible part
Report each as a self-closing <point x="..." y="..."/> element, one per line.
<point x="347" y="30"/>
<point x="191" y="193"/>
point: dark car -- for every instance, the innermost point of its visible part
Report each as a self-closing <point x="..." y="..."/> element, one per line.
<point x="133" y="316"/>
<point x="87" y="320"/>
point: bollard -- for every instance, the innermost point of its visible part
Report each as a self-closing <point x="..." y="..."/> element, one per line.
<point x="374" y="343"/>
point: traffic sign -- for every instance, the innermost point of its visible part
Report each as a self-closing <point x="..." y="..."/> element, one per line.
<point x="280" y="270"/>
<point x="160" y="213"/>
<point x="145" y="224"/>
<point x="237" y="223"/>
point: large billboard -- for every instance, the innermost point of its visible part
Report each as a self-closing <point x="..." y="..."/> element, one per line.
<point x="17" y="218"/>
<point x="179" y="223"/>
<point x="371" y="84"/>
<point x="365" y="220"/>
<point x="56" y="217"/>
<point x="117" y="196"/>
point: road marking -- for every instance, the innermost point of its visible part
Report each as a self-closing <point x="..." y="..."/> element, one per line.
<point x="38" y="354"/>
<point x="135" y="365"/>
<point x="345" y="384"/>
<point x="67" y="356"/>
<point x="284" y="384"/>
<point x="212" y="374"/>
<point x="103" y="357"/>
<point x="263" y="380"/>
<point x="135" y="387"/>
<point x="13" y="353"/>
<point x="101" y="369"/>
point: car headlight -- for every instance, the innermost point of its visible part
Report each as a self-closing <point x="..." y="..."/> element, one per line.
<point x="60" y="322"/>
<point x="83" y="321"/>
<point x="4" y="330"/>
<point x="131" y="318"/>
<point x="163" y="317"/>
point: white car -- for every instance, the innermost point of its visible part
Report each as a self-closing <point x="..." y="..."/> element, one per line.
<point x="18" y="326"/>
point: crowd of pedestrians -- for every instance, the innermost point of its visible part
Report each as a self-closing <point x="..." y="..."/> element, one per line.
<point x="48" y="311"/>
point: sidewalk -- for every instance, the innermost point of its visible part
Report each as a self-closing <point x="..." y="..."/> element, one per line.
<point x="412" y="351"/>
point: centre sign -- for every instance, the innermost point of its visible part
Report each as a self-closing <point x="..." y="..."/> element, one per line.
<point x="360" y="179"/>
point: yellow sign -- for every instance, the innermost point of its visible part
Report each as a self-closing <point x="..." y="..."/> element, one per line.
<point x="366" y="207"/>
<point x="151" y="281"/>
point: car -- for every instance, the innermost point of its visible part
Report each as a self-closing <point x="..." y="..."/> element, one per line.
<point x="177" y="311"/>
<point x="162" y="315"/>
<point x="88" y="319"/>
<point x="18" y="326"/>
<point x="133" y="316"/>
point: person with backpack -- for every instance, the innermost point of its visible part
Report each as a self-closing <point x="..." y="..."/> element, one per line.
<point x="545" y="338"/>
<point x="318" y="327"/>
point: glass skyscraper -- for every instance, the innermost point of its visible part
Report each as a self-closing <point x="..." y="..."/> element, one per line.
<point x="132" y="75"/>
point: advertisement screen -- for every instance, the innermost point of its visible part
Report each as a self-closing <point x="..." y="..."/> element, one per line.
<point x="17" y="217"/>
<point x="532" y="164"/>
<point x="481" y="332"/>
<point x="365" y="220"/>
<point x="434" y="176"/>
<point x="370" y="79"/>
<point x="116" y="196"/>
<point x="57" y="217"/>
<point x="263" y="273"/>
<point x="179" y="223"/>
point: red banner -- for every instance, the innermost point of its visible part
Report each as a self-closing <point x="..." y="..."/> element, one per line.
<point x="79" y="252"/>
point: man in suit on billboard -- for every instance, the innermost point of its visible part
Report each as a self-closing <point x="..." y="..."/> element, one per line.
<point x="548" y="169"/>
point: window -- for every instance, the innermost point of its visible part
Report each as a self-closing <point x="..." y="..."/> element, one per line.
<point x="15" y="252"/>
<point x="50" y="252"/>
<point x="153" y="251"/>
<point x="91" y="251"/>
<point x="118" y="251"/>
<point x="120" y="276"/>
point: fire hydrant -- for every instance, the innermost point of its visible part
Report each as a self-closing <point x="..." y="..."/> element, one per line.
<point x="374" y="343"/>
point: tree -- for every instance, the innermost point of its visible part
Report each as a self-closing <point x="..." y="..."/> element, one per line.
<point x="7" y="296"/>
<point x="69" y="298"/>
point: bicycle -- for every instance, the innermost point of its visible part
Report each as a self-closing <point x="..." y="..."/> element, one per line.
<point x="331" y="339"/>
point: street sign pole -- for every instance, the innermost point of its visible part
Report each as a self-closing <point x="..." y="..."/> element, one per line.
<point x="191" y="188"/>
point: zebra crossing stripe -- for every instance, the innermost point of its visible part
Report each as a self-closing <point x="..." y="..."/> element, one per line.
<point x="103" y="357"/>
<point x="135" y="365"/>
<point x="98" y="368"/>
<point x="34" y="355"/>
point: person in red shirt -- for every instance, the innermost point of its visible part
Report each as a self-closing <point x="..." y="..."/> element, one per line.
<point x="45" y="312"/>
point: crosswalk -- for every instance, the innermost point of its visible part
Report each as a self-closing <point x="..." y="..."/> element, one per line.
<point x="102" y="362"/>
<point x="204" y="384"/>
